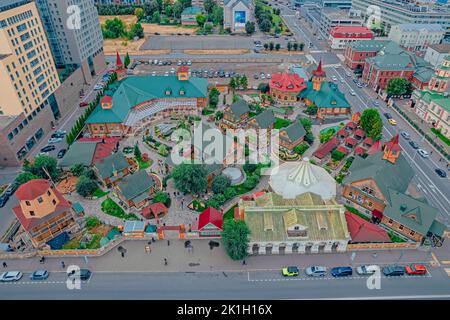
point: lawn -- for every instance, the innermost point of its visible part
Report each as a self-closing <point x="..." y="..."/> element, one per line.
<point x="197" y="205"/>
<point x="354" y="211"/>
<point x="230" y="213"/>
<point x="281" y="123"/>
<point x="113" y="209"/>
<point x="441" y="136"/>
<point x="394" y="237"/>
<point x="144" y="164"/>
<point x="99" y="193"/>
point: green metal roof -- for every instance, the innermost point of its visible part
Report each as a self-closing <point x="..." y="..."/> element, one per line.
<point x="115" y="162"/>
<point x="424" y="74"/>
<point x="394" y="176"/>
<point x="437" y="98"/>
<point x="438" y="228"/>
<point x="136" y="186"/>
<point x="368" y="45"/>
<point x="79" y="153"/>
<point x="410" y="212"/>
<point x="295" y="131"/>
<point x="78" y="208"/>
<point x="265" y="119"/>
<point x="329" y="95"/>
<point x="239" y="108"/>
<point x="138" y="89"/>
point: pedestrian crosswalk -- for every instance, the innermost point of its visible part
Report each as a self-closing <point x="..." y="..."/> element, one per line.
<point x="447" y="270"/>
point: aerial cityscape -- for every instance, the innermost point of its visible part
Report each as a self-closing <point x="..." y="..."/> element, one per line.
<point x="224" y="150"/>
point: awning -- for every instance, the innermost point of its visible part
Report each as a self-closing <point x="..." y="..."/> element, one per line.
<point x="377" y="214"/>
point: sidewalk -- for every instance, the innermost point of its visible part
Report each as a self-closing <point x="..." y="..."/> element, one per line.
<point x="202" y="259"/>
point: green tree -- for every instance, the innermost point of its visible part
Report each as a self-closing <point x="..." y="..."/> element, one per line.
<point x="266" y="46"/>
<point x="127" y="60"/>
<point x="264" y="87"/>
<point x="177" y="9"/>
<point x="24" y="177"/>
<point x="295" y="46"/>
<point x="113" y="29"/>
<point x="311" y="110"/>
<point x="289" y="46"/>
<point x="209" y="6"/>
<point x="250" y="27"/>
<point x="265" y="25"/>
<point x="201" y="19"/>
<point x="301" y="46"/>
<point x="232" y="84"/>
<point x="277" y="46"/>
<point x="251" y="182"/>
<point x="77" y="169"/>
<point x="214" y="97"/>
<point x="186" y="3"/>
<point x="235" y="238"/>
<point x="42" y="163"/>
<point x="162" y="197"/>
<point x="230" y="193"/>
<point x="162" y="150"/>
<point x="371" y="123"/>
<point x="398" y="86"/>
<point x="136" y="31"/>
<point x="190" y="178"/>
<point x="243" y="82"/>
<point x="137" y="152"/>
<point x="139" y="13"/>
<point x="85" y="186"/>
<point x="156" y="17"/>
<point x="220" y="183"/>
<point x="217" y="15"/>
<point x="169" y="10"/>
<point x="271" y="46"/>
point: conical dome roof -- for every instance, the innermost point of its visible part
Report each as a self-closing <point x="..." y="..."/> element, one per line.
<point x="292" y="179"/>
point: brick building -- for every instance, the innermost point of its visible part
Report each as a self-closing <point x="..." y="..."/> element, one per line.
<point x="341" y="36"/>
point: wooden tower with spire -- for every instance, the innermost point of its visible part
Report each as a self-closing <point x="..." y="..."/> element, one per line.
<point x="318" y="76"/>
<point x="392" y="150"/>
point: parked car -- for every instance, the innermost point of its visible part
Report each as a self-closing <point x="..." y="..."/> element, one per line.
<point x="48" y="148"/>
<point x="387" y="115"/>
<point x="290" y="271"/>
<point x="348" y="74"/>
<point x="423" y="153"/>
<point x="85" y="274"/>
<point x="355" y="80"/>
<point x="366" y="270"/>
<point x="406" y="135"/>
<point x="83" y="104"/>
<point x="61" y="132"/>
<point x="334" y="78"/>
<point x="39" y="275"/>
<point x="3" y="200"/>
<point x="316" y="271"/>
<point x="341" y="271"/>
<point x="61" y="153"/>
<point x="376" y="103"/>
<point x="10" y="276"/>
<point x="189" y="62"/>
<point x="352" y="92"/>
<point x="268" y="76"/>
<point x="11" y="189"/>
<point x="54" y="140"/>
<point x="416" y="269"/>
<point x="392" y="122"/>
<point x="414" y="144"/>
<point x="441" y="173"/>
<point x="394" y="270"/>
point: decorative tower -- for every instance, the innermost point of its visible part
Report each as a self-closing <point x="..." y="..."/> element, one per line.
<point x="392" y="150"/>
<point x="119" y="63"/>
<point x="318" y="76"/>
<point x="183" y="73"/>
<point x="106" y="102"/>
<point x="441" y="78"/>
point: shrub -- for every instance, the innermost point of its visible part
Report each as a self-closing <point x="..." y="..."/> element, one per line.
<point x="337" y="155"/>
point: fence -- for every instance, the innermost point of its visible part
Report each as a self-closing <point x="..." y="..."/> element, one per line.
<point x="430" y="139"/>
<point x="381" y="246"/>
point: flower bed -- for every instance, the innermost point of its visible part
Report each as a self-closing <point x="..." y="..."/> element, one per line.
<point x="113" y="209"/>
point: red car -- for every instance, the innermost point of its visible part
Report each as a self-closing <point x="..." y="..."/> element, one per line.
<point x="83" y="104"/>
<point x="416" y="269"/>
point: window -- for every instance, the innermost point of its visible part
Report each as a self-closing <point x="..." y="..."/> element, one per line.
<point x="400" y="227"/>
<point x="48" y="192"/>
<point x="32" y="213"/>
<point x="54" y="201"/>
<point x="390" y="221"/>
<point x="28" y="203"/>
<point x="40" y="200"/>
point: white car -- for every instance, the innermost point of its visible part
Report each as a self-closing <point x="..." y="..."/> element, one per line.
<point x="423" y="153"/>
<point x="348" y="74"/>
<point x="352" y="92"/>
<point x="10" y="276"/>
<point x="316" y="271"/>
<point x="54" y="140"/>
<point x="366" y="270"/>
<point x="189" y="62"/>
<point x="61" y="132"/>
<point x="334" y="78"/>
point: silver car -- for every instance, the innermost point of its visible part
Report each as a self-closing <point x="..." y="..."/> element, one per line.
<point x="10" y="276"/>
<point x="316" y="271"/>
<point x="366" y="270"/>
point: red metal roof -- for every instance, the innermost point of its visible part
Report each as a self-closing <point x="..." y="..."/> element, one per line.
<point x="368" y="141"/>
<point x="212" y="216"/>
<point x="119" y="63"/>
<point x="106" y="99"/>
<point x="104" y="147"/>
<point x="351" y="124"/>
<point x="351" y="32"/>
<point x="287" y="82"/>
<point x="32" y="189"/>
<point x="63" y="205"/>
<point x="363" y="231"/>
<point x="360" y="133"/>
<point x="376" y="147"/>
<point x="183" y="69"/>
<point x="342" y="149"/>
<point x="360" y="151"/>
<point x="343" y="132"/>
<point x="326" y="148"/>
<point x="155" y="208"/>
<point x="319" y="72"/>
<point x="352" y="141"/>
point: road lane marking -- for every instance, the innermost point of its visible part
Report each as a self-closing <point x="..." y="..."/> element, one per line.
<point x="435" y="261"/>
<point x="447" y="271"/>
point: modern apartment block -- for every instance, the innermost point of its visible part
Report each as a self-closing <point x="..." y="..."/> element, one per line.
<point x="324" y="19"/>
<point x="28" y="81"/>
<point x="341" y="4"/>
<point x="393" y="12"/>
<point x="74" y="44"/>
<point x="416" y="37"/>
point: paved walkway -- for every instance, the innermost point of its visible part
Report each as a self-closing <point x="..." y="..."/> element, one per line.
<point x="203" y="259"/>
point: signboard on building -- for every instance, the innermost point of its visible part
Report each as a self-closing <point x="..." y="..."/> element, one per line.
<point x="240" y="19"/>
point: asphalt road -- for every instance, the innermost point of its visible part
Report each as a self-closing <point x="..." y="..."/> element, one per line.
<point x="233" y="285"/>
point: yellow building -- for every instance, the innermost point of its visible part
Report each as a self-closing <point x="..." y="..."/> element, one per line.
<point x="28" y="76"/>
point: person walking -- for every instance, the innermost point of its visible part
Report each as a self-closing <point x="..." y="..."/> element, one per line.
<point x="165" y="261"/>
<point x="168" y="242"/>
<point x="63" y="265"/>
<point x="5" y="265"/>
